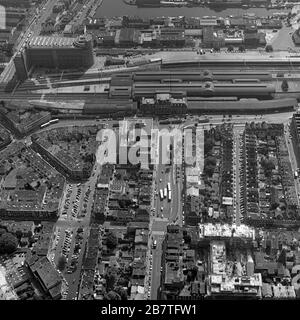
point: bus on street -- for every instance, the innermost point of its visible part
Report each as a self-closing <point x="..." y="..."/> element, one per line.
<point x="44" y="125"/>
<point x="154" y="244"/>
<point x="169" y="186"/>
<point x="53" y="121"/>
<point x="161" y="194"/>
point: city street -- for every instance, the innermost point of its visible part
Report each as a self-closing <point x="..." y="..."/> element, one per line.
<point x="293" y="160"/>
<point x="166" y="212"/>
<point x="156" y="265"/>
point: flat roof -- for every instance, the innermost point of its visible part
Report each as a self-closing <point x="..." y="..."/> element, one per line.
<point x="51" y="42"/>
<point x="240" y="105"/>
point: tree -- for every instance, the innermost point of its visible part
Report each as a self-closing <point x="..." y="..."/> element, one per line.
<point x="209" y="143"/>
<point x="209" y="170"/>
<point x="192" y="274"/>
<point x="210" y="161"/>
<point x="111" y="240"/>
<point x="268" y="166"/>
<point x="118" y="176"/>
<point x="61" y="264"/>
<point x="282" y="257"/>
<point x="269" y="48"/>
<point x="112" y="295"/>
<point x="285" y="85"/>
<point x="19" y="234"/>
<point x="124" y="203"/>
<point x="206" y="72"/>
<point x="187" y="238"/>
<point x="242" y="48"/>
<point x="110" y="278"/>
<point x="230" y="48"/>
<point x="123" y="282"/>
<point x="274" y="206"/>
<point x="121" y="292"/>
<point x="8" y="243"/>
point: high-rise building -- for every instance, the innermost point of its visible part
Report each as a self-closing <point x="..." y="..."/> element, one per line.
<point x="16" y="3"/>
<point x="55" y="53"/>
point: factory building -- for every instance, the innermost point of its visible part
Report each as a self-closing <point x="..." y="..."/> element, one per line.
<point x="55" y="52"/>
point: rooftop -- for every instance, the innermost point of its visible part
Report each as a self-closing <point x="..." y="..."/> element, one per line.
<point x="51" y="42"/>
<point x="57" y="42"/>
<point x="46" y="273"/>
<point x="226" y="231"/>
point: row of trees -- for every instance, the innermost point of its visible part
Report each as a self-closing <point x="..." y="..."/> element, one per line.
<point x="116" y="280"/>
<point x="111" y="240"/>
<point x="242" y="48"/>
<point x="117" y="294"/>
<point x="209" y="166"/>
<point x="268" y="165"/>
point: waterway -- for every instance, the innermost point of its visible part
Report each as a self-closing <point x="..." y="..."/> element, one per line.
<point x="115" y="8"/>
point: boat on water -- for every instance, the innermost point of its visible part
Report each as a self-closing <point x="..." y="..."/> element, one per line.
<point x="130" y="2"/>
<point x="174" y="3"/>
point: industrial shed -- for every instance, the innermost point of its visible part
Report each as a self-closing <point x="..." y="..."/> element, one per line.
<point x="246" y="106"/>
<point x="121" y="80"/>
<point x="195" y="33"/>
<point x="117" y="92"/>
<point x="109" y="107"/>
<point x="206" y="89"/>
<point x="203" y="75"/>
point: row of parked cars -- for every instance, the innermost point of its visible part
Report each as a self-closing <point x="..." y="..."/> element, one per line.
<point x="76" y="252"/>
<point x="85" y="201"/>
<point x="149" y="277"/>
<point x="67" y="243"/>
<point x="67" y="201"/>
<point x="76" y="203"/>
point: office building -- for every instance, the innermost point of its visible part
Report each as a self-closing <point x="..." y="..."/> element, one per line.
<point x="55" y="53"/>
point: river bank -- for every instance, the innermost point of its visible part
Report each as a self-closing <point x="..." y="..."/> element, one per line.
<point x="115" y="8"/>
